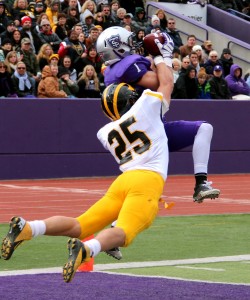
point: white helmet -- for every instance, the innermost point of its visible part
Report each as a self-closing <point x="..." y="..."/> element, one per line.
<point x="113" y="44"/>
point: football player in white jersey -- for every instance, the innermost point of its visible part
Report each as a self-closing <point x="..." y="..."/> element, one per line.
<point x="137" y="140"/>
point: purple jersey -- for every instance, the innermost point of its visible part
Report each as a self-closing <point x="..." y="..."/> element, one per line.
<point x="130" y="69"/>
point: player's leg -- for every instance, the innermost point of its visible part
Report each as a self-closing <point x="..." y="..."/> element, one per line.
<point x="182" y="134"/>
<point x="21" y="230"/>
<point x="114" y="252"/>
<point x="94" y="219"/>
<point x="201" y="150"/>
<point x="136" y="214"/>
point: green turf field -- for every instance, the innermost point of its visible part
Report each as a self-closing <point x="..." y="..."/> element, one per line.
<point x="170" y="238"/>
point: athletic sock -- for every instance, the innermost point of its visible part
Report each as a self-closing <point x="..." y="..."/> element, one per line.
<point x="113" y="224"/>
<point x="200" y="178"/>
<point x="94" y="246"/>
<point x="37" y="228"/>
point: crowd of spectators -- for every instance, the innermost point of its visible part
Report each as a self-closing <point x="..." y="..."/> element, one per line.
<point x="48" y="50"/>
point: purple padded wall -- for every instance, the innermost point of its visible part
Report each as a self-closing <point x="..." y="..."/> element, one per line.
<point x="220" y="20"/>
<point x="54" y="138"/>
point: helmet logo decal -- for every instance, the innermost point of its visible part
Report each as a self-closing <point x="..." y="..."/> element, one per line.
<point x="114" y="41"/>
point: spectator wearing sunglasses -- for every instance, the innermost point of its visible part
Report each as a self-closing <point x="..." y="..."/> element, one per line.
<point x="46" y="35"/>
<point x="213" y="60"/>
<point x="22" y="82"/>
<point x="98" y="19"/>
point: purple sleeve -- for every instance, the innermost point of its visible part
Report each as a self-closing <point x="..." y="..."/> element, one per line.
<point x="130" y="70"/>
<point x="134" y="73"/>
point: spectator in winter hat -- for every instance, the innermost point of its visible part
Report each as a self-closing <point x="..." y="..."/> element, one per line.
<point x="213" y="60"/>
<point x="155" y="21"/>
<point x="198" y="50"/>
<point x="54" y="59"/>
<point x="141" y="18"/>
<point x="27" y="32"/>
<point x="227" y="60"/>
<point x="127" y="20"/>
<point x="39" y="9"/>
<point x="8" y="33"/>
<point x="186" y="86"/>
<point x="3" y="17"/>
<point x="218" y="85"/>
<point x="47" y="36"/>
<point x="49" y="86"/>
<point x="236" y="84"/>
<point x="5" y="48"/>
<point x="52" y="12"/>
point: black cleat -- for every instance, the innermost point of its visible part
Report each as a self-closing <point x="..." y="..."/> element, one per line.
<point x="205" y="191"/>
<point x="115" y="253"/>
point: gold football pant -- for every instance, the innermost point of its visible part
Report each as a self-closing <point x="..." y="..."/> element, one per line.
<point x="132" y="200"/>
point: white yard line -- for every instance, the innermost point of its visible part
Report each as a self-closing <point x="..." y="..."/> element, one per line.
<point x="117" y="266"/>
<point x="53" y="189"/>
<point x="205" y="269"/>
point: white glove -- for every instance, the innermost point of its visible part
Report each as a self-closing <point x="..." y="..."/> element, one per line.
<point x="166" y="49"/>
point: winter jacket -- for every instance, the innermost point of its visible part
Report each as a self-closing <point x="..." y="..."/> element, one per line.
<point x="226" y="64"/>
<point x="185" y="87"/>
<point x="30" y="60"/>
<point x="204" y="90"/>
<point x="209" y="66"/>
<point x="26" y="92"/>
<point x="219" y="88"/>
<point x="85" y="28"/>
<point x="143" y="22"/>
<point x="69" y="87"/>
<point x="52" y="16"/>
<point x="3" y="19"/>
<point x="50" y="38"/>
<point x="49" y="85"/>
<point x="175" y="35"/>
<point x="237" y="85"/>
<point x="6" y="85"/>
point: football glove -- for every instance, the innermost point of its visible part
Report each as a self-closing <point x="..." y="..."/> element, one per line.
<point x="167" y="48"/>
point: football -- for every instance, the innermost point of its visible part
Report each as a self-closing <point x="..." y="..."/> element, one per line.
<point x="150" y="45"/>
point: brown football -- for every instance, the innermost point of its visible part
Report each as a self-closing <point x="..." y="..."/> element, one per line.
<point x="150" y="45"/>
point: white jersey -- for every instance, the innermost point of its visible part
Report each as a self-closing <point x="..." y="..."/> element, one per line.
<point x="138" y="139"/>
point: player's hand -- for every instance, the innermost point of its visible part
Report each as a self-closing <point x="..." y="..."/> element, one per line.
<point x="166" y="49"/>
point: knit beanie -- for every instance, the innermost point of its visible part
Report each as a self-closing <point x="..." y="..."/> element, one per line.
<point x="44" y="22"/>
<point x="154" y="18"/>
<point x="24" y="19"/>
<point x="196" y="47"/>
<point x="54" y="56"/>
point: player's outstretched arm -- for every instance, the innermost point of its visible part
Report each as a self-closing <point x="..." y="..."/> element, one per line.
<point x="163" y="65"/>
